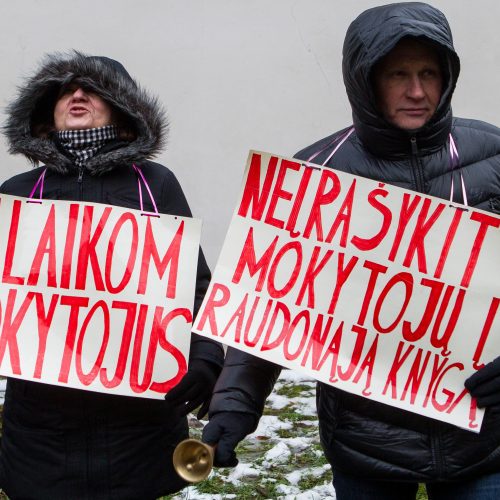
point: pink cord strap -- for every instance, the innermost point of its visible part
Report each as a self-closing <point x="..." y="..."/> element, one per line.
<point x="454" y="159"/>
<point x="140" y="177"/>
<point x="39" y="182"/>
<point x="340" y="139"/>
<point x="455" y="163"/>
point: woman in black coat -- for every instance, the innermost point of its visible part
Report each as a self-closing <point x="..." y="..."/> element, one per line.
<point x="89" y="123"/>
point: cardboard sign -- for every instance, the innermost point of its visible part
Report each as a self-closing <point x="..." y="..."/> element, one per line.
<point x="377" y="290"/>
<point x="94" y="296"/>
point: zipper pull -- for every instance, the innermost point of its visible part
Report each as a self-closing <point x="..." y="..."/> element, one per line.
<point x="413" y="141"/>
<point x="80" y="175"/>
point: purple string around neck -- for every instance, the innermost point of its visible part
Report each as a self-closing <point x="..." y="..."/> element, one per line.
<point x="454" y="163"/>
<point x="340" y="139"/>
<point x="139" y="178"/>
<point x="39" y="182"/>
<point x="454" y="159"/>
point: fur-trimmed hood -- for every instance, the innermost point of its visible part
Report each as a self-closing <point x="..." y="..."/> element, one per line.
<point x="33" y="109"/>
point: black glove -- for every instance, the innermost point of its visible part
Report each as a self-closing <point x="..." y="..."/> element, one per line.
<point x="484" y="385"/>
<point x="224" y="431"/>
<point x="194" y="389"/>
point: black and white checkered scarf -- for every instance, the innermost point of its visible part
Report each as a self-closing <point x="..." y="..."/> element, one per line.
<point x="84" y="144"/>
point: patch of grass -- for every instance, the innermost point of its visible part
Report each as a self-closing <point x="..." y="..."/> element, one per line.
<point x="310" y="458"/>
<point x="248" y="489"/>
<point x="215" y="485"/>
<point x="289" y="413"/>
<point x="421" y="493"/>
<point x="248" y="451"/>
<point x="309" y="481"/>
<point x="293" y="390"/>
<point x="271" y="488"/>
<point x="285" y="433"/>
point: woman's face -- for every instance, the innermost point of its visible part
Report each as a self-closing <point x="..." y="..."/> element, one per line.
<point x="78" y="109"/>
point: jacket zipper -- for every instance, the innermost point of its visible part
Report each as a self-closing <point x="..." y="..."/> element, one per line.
<point x="438" y="457"/>
<point x="434" y="432"/>
<point x="416" y="167"/>
<point x="80" y="181"/>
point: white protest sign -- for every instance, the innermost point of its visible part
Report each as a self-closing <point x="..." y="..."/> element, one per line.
<point x="94" y="296"/>
<point x="377" y="290"/>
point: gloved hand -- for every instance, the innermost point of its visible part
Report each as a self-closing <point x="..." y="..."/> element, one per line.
<point x="194" y="389"/>
<point x="484" y="385"/>
<point x="224" y="431"/>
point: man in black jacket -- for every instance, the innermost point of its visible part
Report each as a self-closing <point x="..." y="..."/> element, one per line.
<point x="400" y="69"/>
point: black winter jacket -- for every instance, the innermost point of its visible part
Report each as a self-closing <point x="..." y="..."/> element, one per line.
<point x="63" y="443"/>
<point x="362" y="437"/>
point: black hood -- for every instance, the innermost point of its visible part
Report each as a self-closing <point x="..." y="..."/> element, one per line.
<point x="371" y="36"/>
<point x="32" y="110"/>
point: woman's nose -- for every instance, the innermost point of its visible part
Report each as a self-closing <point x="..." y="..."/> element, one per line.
<point x="79" y="93"/>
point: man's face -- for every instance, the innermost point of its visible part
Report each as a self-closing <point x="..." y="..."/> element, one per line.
<point x="77" y="109"/>
<point x="408" y="84"/>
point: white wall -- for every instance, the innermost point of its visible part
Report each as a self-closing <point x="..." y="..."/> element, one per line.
<point x="234" y="75"/>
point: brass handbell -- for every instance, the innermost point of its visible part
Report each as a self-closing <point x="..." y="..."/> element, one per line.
<point x="193" y="460"/>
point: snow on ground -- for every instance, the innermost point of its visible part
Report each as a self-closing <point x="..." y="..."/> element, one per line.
<point x="282" y="459"/>
<point x="3" y="384"/>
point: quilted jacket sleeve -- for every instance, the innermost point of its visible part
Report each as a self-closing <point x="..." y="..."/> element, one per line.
<point x="244" y="384"/>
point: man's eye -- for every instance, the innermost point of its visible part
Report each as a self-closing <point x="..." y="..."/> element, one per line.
<point x="430" y="73"/>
